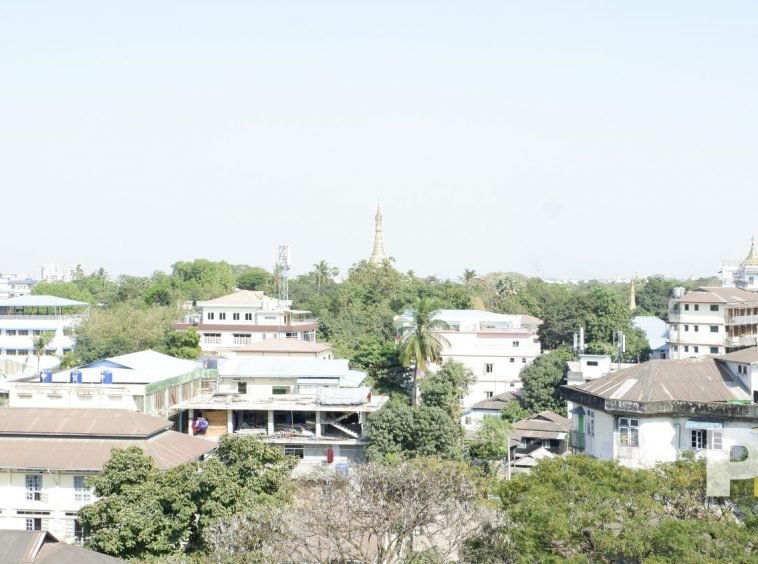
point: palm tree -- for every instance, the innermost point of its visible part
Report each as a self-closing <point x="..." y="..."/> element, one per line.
<point x="40" y="344"/>
<point x="324" y="273"/>
<point x="468" y="276"/>
<point x="419" y="343"/>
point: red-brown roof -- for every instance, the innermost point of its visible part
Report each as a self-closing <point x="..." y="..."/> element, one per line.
<point x="29" y="421"/>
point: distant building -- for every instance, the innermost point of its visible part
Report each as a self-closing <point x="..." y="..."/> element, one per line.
<point x="472" y="416"/>
<point x="314" y="409"/>
<point x="293" y="348"/>
<point x="46" y="455"/>
<point x="58" y="273"/>
<point x="495" y="346"/>
<point x="230" y="323"/>
<point x="654" y="411"/>
<point x="545" y="429"/>
<point x="12" y="285"/>
<point x="711" y="321"/>
<point x="657" y="333"/>
<point x="591" y="367"/>
<point x="25" y="317"/>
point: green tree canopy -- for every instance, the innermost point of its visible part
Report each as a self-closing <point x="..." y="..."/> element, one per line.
<point x="542" y="380"/>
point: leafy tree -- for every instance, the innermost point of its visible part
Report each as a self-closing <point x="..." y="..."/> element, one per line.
<point x="202" y="279"/>
<point x="253" y="278"/>
<point x="67" y="290"/>
<point x="399" y="431"/>
<point x="541" y="383"/>
<point x="447" y="387"/>
<point x="381" y="361"/>
<point x="40" y="343"/>
<point x="514" y="411"/>
<point x="581" y="509"/>
<point x="159" y="294"/>
<point x="419" y="344"/>
<point x="324" y="273"/>
<point x="142" y="512"/>
<point x="183" y="344"/>
<point x="491" y="441"/>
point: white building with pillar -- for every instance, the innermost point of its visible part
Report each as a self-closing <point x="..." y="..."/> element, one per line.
<point x="315" y="409"/>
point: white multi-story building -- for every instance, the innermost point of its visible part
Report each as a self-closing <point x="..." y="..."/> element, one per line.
<point x="230" y="323"/>
<point x="315" y="409"/>
<point x="655" y="411"/>
<point x="12" y="285"/>
<point x="46" y="455"/>
<point x="495" y="346"/>
<point x="58" y="273"/>
<point x="711" y="321"/>
<point x="25" y="317"/>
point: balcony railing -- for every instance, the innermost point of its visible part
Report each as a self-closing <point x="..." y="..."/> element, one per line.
<point x="576" y="440"/>
<point x="744" y="341"/>
<point x="742" y="320"/>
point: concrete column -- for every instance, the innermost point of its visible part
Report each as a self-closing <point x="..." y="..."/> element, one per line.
<point x="318" y="423"/>
<point x="270" y="428"/>
<point x="229" y="421"/>
<point x="362" y="421"/>
<point x="190" y="419"/>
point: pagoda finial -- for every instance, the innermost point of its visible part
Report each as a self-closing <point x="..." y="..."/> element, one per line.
<point x="632" y="295"/>
<point x="377" y="254"/>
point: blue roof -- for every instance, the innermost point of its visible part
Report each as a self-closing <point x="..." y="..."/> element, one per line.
<point x="40" y="301"/>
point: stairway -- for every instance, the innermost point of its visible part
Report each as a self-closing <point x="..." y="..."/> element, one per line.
<point x="334" y="423"/>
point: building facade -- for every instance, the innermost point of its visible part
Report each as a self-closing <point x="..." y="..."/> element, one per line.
<point x="47" y="454"/>
<point x="496" y="347"/>
<point x="233" y="322"/>
<point x="656" y="411"/>
<point x="711" y="321"/>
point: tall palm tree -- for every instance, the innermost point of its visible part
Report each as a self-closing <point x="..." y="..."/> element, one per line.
<point x="323" y="273"/>
<point x="420" y="344"/>
<point x="40" y="344"/>
<point x="468" y="276"/>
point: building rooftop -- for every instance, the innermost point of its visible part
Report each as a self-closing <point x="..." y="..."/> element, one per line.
<point x="495" y="403"/>
<point x="248" y="298"/>
<point x="144" y="367"/>
<point x="721" y="295"/>
<point x="747" y="356"/>
<point x="115" y="423"/>
<point x="285" y="367"/>
<point x="39" y="301"/>
<point x="40" y="547"/>
<point x="702" y="379"/>
<point x="477" y="315"/>
<point x="543" y="425"/>
<point x="286" y="346"/>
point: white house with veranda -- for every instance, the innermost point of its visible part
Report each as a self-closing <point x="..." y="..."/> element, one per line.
<point x="231" y="323"/>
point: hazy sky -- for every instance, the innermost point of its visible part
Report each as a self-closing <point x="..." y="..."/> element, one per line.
<point x="559" y="139"/>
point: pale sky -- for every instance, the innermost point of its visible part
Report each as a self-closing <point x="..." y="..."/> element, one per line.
<point x="558" y="139"/>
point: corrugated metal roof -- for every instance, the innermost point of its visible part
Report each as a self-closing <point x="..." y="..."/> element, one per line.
<point x="720" y="294"/>
<point x="495" y="403"/>
<point x="168" y="449"/>
<point x="702" y="379"/>
<point x="39" y="301"/>
<point x="40" y="547"/>
<point x="286" y="345"/>
<point x="287" y="367"/>
<point x="747" y="356"/>
<point x="87" y="422"/>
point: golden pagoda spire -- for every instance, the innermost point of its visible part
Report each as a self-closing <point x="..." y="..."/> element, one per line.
<point x="377" y="255"/>
<point x="752" y="257"/>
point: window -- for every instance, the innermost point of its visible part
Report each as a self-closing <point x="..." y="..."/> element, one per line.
<point x="248" y="317"/>
<point x="697" y="307"/>
<point x="242" y="338"/>
<point x="211" y="315"/>
<point x="79" y="534"/>
<point x="714" y="307"/>
<point x="488" y="368"/>
<point x="589" y="423"/>
<point x="629" y="432"/>
<point x="513" y="360"/>
<point x="222" y="316"/>
<point x="241" y="387"/>
<point x="293" y="450"/>
<point x="488" y="394"/>
<point x="686" y="348"/>
<point x="698" y="438"/>
<point x="715" y="440"/>
<point x="34" y="488"/>
<point x="34" y="524"/>
<point x="212" y="338"/>
<point x="686" y="307"/>
<point x="81" y="491"/>
<point x="714" y="350"/>
<point x="467" y="420"/>
<point x="714" y="328"/>
<point x="23" y="332"/>
<point x="686" y="327"/>
<point x="696" y="328"/>
<point x="10" y="332"/>
<point x="235" y="317"/>
<point x="592" y="363"/>
<point x="279" y="390"/>
<point x="523" y="360"/>
<point x="515" y="343"/>
<point x="696" y="349"/>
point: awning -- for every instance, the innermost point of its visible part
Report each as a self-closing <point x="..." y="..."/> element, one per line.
<point x="702" y="424"/>
<point x="578" y="410"/>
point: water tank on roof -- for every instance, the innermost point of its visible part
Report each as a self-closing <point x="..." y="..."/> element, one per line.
<point x="47" y="376"/>
<point x="107" y="377"/>
<point x="75" y="377"/>
<point x="678" y="292"/>
<point x="211" y="363"/>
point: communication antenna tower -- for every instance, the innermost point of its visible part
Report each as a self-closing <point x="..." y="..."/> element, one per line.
<point x="281" y="271"/>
